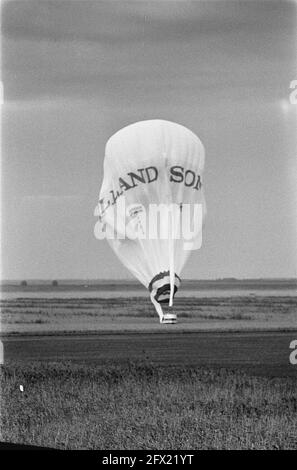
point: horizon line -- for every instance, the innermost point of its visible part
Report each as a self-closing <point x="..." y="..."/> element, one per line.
<point x="229" y="278"/>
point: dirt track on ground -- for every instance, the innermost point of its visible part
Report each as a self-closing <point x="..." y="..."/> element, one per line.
<point x="265" y="353"/>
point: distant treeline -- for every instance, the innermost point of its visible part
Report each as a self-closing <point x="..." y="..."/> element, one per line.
<point x="117" y="285"/>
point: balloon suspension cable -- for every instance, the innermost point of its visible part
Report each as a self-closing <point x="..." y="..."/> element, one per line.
<point x="157" y="306"/>
<point x="171" y="262"/>
<point x="171" y="238"/>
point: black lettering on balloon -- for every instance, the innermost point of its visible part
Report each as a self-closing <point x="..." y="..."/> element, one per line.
<point x="102" y="207"/>
<point x="175" y="175"/>
<point x="136" y="177"/>
<point x="150" y="177"/>
<point x="115" y="196"/>
<point x="187" y="183"/>
<point x="123" y="184"/>
<point x="198" y="184"/>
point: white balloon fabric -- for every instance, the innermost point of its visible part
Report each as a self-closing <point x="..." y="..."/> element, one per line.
<point x="152" y="188"/>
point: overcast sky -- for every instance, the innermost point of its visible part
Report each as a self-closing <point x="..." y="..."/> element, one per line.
<point x="75" y="72"/>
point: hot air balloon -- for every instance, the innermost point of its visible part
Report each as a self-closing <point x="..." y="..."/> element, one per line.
<point x="151" y="205"/>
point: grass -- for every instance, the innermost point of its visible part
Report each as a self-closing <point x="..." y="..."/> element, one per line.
<point x="141" y="406"/>
<point x="68" y="311"/>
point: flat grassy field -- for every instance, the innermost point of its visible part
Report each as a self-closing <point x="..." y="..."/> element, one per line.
<point x="143" y="406"/>
<point x="127" y="313"/>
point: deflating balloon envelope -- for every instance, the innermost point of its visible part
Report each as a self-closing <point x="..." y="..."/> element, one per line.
<point x="151" y="204"/>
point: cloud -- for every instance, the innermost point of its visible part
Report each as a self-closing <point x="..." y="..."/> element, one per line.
<point x="114" y="22"/>
<point x="117" y="22"/>
<point x="112" y="49"/>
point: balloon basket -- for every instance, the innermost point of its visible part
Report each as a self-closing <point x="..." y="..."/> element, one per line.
<point x="169" y="319"/>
